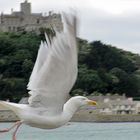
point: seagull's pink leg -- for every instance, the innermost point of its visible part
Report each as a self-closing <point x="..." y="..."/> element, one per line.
<point x="14" y="134"/>
<point x="8" y="129"/>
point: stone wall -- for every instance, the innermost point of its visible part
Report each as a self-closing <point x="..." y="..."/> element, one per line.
<point x="7" y="116"/>
<point x="85" y="116"/>
<point x="81" y="116"/>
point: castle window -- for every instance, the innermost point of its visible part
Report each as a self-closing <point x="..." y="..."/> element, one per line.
<point x="9" y="28"/>
<point x="18" y="28"/>
<point x="14" y="28"/>
<point x="37" y="21"/>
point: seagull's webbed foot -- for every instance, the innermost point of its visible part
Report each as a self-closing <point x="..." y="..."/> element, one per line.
<point x="4" y="130"/>
<point x="8" y="129"/>
<point x="17" y="125"/>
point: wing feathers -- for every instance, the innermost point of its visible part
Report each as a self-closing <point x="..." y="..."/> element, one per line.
<point x="55" y="70"/>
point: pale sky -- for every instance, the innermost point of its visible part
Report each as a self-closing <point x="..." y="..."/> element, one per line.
<point x="115" y="22"/>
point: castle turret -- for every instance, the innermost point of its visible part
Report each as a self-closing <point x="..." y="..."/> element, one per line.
<point x="25" y="7"/>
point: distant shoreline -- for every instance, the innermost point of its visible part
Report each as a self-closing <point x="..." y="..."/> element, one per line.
<point x="90" y="117"/>
<point x="81" y="116"/>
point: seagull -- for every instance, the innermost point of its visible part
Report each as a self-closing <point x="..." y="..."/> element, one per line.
<point x="52" y="78"/>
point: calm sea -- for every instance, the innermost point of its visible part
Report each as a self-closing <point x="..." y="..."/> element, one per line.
<point x="78" y="131"/>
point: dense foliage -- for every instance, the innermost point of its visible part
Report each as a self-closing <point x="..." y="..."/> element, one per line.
<point x="106" y="69"/>
<point x="102" y="68"/>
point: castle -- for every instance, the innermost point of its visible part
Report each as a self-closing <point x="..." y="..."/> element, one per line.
<point x="25" y="20"/>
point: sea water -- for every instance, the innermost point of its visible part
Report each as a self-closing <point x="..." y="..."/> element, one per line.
<point x="78" y="131"/>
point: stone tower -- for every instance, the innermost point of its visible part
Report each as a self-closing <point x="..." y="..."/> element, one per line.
<point x="25" y="7"/>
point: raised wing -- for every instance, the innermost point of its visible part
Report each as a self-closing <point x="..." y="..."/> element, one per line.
<point x="55" y="70"/>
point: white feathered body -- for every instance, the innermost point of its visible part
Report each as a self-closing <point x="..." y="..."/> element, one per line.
<point x="41" y="118"/>
<point x="35" y="117"/>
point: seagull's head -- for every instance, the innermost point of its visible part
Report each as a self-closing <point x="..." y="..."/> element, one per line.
<point x="81" y="101"/>
<point x="74" y="103"/>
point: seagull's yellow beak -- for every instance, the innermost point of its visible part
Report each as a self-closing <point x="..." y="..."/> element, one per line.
<point x="91" y="102"/>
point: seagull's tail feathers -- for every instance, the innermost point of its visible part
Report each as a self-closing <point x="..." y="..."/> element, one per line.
<point x="11" y="106"/>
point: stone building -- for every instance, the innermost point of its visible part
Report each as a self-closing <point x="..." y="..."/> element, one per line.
<point x="25" y="20"/>
<point x="115" y="104"/>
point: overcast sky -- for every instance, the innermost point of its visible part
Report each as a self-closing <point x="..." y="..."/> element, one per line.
<point x="115" y="22"/>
